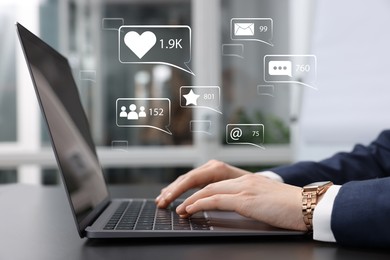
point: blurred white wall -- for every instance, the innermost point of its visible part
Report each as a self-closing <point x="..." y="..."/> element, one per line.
<point x="352" y="105"/>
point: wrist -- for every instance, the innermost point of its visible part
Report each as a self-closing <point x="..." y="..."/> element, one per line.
<point x="298" y="224"/>
<point x="311" y="195"/>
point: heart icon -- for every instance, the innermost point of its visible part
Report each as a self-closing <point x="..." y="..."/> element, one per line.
<point x="140" y="44"/>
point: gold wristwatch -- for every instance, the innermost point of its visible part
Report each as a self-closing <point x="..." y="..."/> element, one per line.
<point x="310" y="194"/>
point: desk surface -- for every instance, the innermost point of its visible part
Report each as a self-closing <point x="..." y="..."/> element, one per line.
<point x="36" y="223"/>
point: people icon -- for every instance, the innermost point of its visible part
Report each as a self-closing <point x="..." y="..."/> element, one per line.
<point x="142" y="112"/>
<point x="123" y="112"/>
<point x="132" y="115"/>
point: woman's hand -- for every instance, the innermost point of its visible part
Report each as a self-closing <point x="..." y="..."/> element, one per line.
<point x="232" y="189"/>
<point x="213" y="171"/>
<point x="252" y="196"/>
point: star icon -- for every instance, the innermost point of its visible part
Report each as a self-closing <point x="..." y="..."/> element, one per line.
<point x="191" y="98"/>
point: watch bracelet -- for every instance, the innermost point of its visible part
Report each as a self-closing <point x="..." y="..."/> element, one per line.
<point x="309" y="202"/>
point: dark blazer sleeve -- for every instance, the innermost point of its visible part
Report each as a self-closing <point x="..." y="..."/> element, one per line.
<point x="362" y="163"/>
<point x="361" y="213"/>
<point x="361" y="210"/>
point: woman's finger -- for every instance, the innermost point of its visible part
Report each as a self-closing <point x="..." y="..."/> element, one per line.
<point x="222" y="187"/>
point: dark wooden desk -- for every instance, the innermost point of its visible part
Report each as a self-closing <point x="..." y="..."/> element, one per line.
<point x="36" y="223"/>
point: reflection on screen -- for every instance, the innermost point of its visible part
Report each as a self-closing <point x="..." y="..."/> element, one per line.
<point x="68" y="126"/>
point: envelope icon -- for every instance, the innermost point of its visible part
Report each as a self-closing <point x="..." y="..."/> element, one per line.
<point x="244" y="29"/>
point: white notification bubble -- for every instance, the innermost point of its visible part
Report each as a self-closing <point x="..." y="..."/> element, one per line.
<point x="112" y="23"/>
<point x="155" y="44"/>
<point x="299" y="69"/>
<point x="200" y="126"/>
<point x="120" y="145"/>
<point x="87" y="75"/>
<point x="201" y="97"/>
<point x="265" y="90"/>
<point x="280" y="67"/>
<point x="249" y="134"/>
<point x="233" y="50"/>
<point x="252" y="29"/>
<point x="144" y="112"/>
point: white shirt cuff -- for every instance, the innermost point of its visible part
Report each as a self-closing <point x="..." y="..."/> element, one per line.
<point x="322" y="216"/>
<point x="271" y="175"/>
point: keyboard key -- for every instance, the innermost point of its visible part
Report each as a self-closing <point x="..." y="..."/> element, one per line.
<point x="181" y="227"/>
<point x="162" y="227"/>
<point x="144" y="215"/>
<point x="124" y="228"/>
<point x="144" y="228"/>
<point x="200" y="227"/>
<point x="109" y="227"/>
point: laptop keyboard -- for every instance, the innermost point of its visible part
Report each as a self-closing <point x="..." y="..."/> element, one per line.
<point x="144" y="215"/>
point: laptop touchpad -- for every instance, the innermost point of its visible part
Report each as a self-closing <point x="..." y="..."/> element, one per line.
<point x="228" y="219"/>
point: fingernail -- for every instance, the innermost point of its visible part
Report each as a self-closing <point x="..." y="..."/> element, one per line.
<point x="169" y="196"/>
<point x="161" y="203"/>
<point x="188" y="208"/>
<point x="179" y="208"/>
<point x="158" y="198"/>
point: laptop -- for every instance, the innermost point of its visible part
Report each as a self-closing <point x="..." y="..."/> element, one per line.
<point x="97" y="215"/>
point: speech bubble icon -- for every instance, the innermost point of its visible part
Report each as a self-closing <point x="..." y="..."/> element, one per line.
<point x="233" y="50"/>
<point x="119" y="145"/>
<point x="200" y="126"/>
<point x="155" y="44"/>
<point x="265" y="90"/>
<point x="144" y="112"/>
<point x="280" y="67"/>
<point x="87" y="75"/>
<point x="112" y="23"/>
<point x="248" y="134"/>
<point x="201" y="97"/>
<point x="252" y="29"/>
<point x="299" y="69"/>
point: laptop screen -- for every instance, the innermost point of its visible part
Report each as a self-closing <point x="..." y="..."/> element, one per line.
<point x="69" y="130"/>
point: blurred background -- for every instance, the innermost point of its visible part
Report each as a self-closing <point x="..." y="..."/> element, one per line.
<point x="349" y="38"/>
